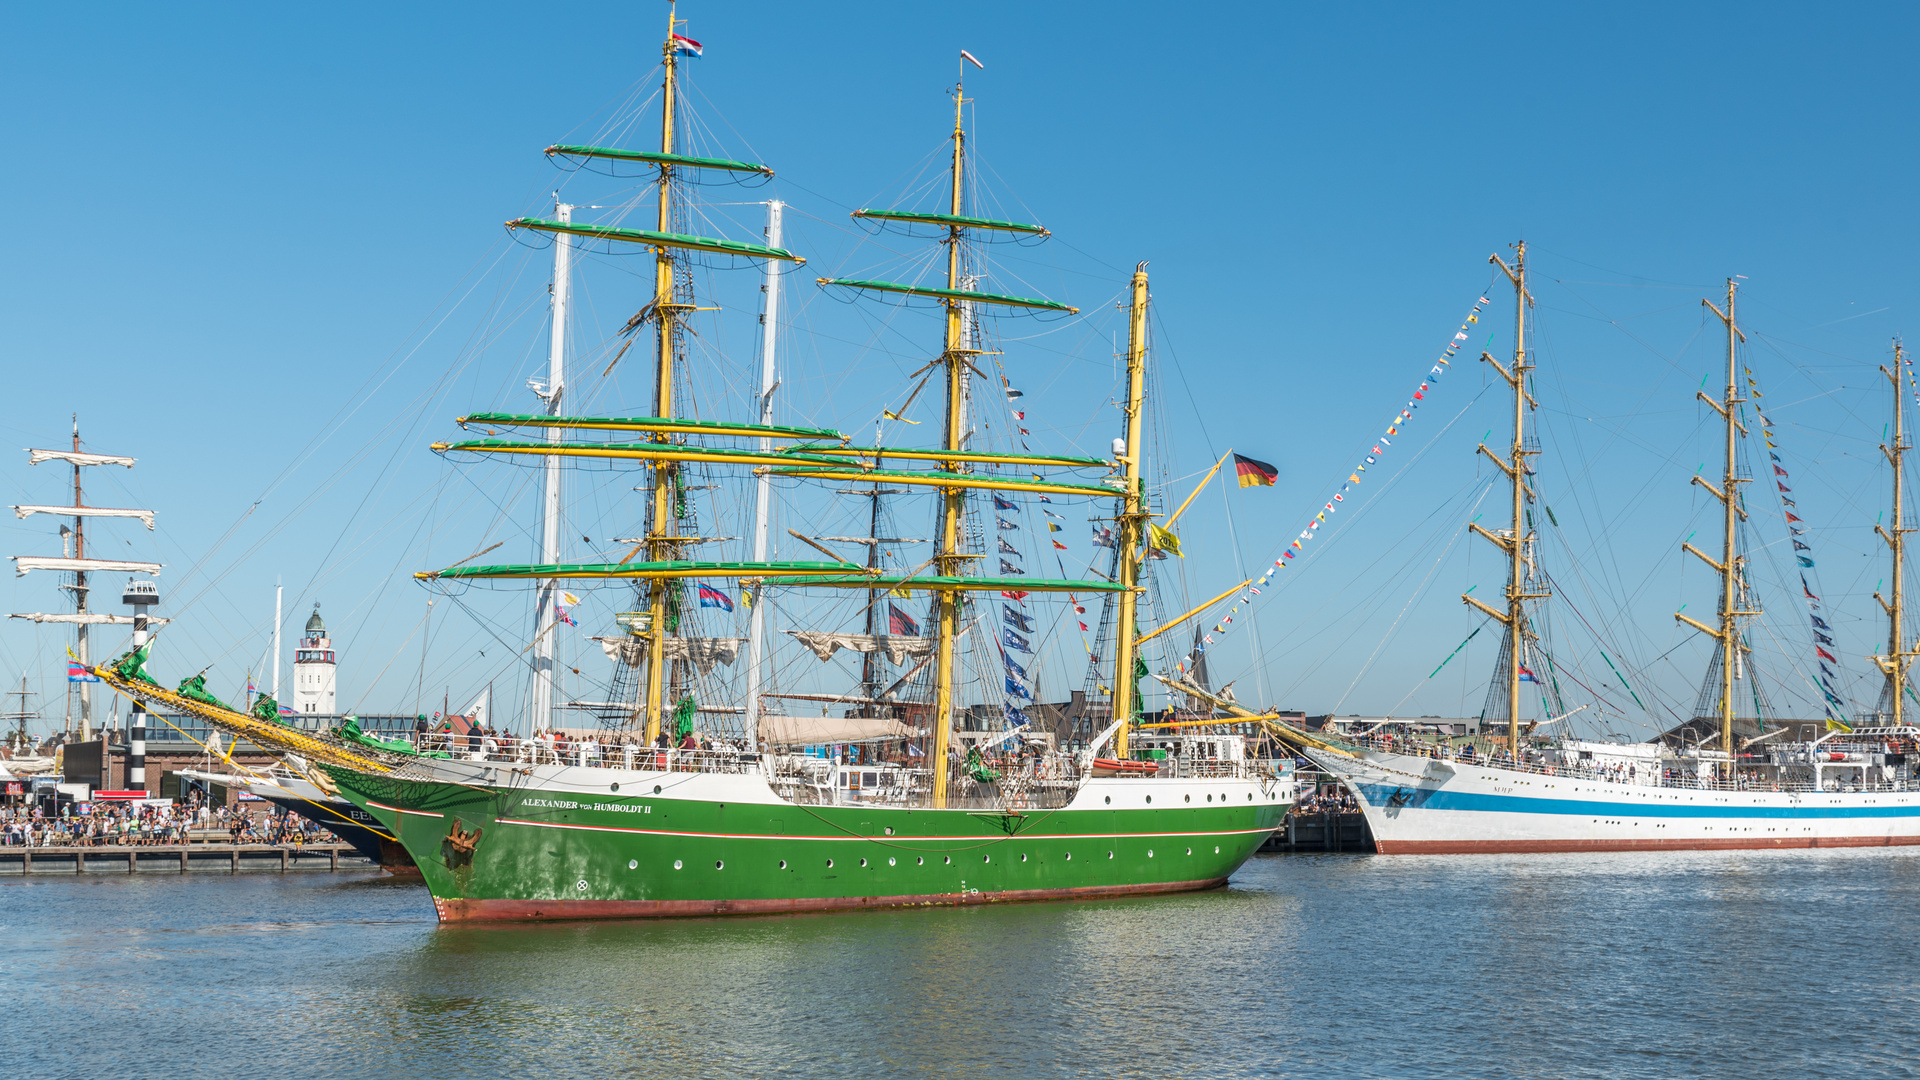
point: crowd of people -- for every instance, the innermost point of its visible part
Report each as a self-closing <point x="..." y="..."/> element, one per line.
<point x="1326" y="799"/>
<point x="149" y="825"/>
<point x="553" y="746"/>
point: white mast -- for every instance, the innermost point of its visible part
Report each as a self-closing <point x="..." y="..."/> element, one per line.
<point x="769" y="320"/>
<point x="541" y="713"/>
<point x="278" y="591"/>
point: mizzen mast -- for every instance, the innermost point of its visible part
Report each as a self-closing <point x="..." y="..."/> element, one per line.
<point x="1898" y="657"/>
<point x="1729" y="565"/>
<point x="1516" y="541"/>
<point x="1133" y="515"/>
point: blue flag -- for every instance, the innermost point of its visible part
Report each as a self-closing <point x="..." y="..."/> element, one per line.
<point x="1015" y="641"/>
<point x="1014" y="689"/>
<point x="1015" y="619"/>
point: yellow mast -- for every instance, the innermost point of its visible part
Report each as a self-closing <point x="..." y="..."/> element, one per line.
<point x="1894" y="663"/>
<point x="953" y="500"/>
<point x="1728" y="565"/>
<point x="1515" y="542"/>
<point x="665" y="314"/>
<point x="1132" y="515"/>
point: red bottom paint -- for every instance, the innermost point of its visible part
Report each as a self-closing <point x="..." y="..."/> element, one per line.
<point x="1516" y="847"/>
<point x="458" y="910"/>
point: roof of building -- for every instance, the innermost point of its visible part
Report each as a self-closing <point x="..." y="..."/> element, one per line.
<point x="315" y="625"/>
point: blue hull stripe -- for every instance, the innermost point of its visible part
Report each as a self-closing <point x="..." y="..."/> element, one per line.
<point x="1380" y="795"/>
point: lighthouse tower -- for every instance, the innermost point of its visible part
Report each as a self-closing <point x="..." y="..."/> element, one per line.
<point x="313" y="668"/>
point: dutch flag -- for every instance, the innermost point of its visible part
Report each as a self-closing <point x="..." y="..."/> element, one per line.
<point x="685" y="46"/>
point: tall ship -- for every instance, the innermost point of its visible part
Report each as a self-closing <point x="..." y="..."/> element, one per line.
<point x="665" y="809"/>
<point x="1734" y="777"/>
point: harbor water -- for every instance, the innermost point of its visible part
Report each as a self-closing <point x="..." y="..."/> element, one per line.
<point x="1648" y="965"/>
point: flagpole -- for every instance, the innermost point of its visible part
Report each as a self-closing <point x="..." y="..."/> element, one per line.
<point x="1197" y="488"/>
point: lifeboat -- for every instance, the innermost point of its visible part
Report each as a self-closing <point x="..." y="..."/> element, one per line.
<point x="1111" y="767"/>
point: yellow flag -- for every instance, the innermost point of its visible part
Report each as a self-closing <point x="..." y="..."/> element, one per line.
<point x="896" y="416"/>
<point x="1835" y="725"/>
<point x="1162" y="540"/>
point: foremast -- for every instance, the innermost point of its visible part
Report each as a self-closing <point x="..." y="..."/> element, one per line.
<point x="1898" y="658"/>
<point x="1730" y="565"/>
<point x="1518" y="539"/>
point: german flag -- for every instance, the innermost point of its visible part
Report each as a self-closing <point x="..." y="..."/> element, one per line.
<point x="1254" y="473"/>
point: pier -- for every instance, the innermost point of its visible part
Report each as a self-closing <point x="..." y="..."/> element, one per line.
<point x="1321" y="832"/>
<point x="180" y="858"/>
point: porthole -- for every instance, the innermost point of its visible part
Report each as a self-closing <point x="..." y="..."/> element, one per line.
<point x="1149" y="798"/>
<point x="656" y="789"/>
<point x="1069" y="856"/>
<point x="783" y="864"/>
<point x="1023" y="858"/>
<point x="829" y="864"/>
<point x="613" y="787"/>
<point x="1149" y="853"/>
<point x="889" y="830"/>
<point x="1249" y="796"/>
<point x="676" y="864"/>
<point x="1109" y="854"/>
<point x="1189" y="798"/>
<point x="633" y="864"/>
<point x="891" y="862"/>
<point x="1216" y="849"/>
<point x="1189" y="851"/>
<point x="1109" y="800"/>
<point x="719" y="865"/>
<point x="986" y="858"/>
<point x="1209" y="798"/>
<point x="863" y="862"/>
<point x="920" y="860"/>
<point x="949" y="860"/>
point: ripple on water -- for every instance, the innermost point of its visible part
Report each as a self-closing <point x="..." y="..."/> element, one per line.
<point x="1654" y="965"/>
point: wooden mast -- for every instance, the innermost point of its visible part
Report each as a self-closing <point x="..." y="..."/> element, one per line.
<point x="953" y="500"/>
<point x="1132" y="516"/>
<point x="1894" y="663"/>
<point x="1728" y="565"/>
<point x="665" y="315"/>
<point x="1516" y="539"/>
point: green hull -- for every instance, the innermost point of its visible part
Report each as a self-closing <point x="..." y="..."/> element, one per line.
<point x="559" y="853"/>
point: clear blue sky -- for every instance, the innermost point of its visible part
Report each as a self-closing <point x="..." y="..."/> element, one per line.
<point x="240" y="232"/>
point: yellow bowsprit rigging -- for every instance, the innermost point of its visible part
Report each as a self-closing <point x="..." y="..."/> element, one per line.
<point x="268" y="735"/>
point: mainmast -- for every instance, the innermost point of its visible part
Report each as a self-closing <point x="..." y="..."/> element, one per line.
<point x="76" y="562"/>
<point x="545" y="611"/>
<point x="1516" y="540"/>
<point x="666" y="318"/>
<point x="1728" y="566"/>
<point x="1898" y="657"/>
<point x="1133" y="515"/>
<point x="948" y="558"/>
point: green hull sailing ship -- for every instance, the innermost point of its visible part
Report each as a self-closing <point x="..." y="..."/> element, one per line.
<point x="642" y="828"/>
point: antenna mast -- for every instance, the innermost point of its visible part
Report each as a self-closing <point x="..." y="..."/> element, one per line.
<point x="1898" y="657"/>
<point x="1516" y="540"/>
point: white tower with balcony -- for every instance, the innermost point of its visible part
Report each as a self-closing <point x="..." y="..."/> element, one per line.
<point x="314" y="669"/>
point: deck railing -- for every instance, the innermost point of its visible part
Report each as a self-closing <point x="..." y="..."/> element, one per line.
<point x="1636" y="777"/>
